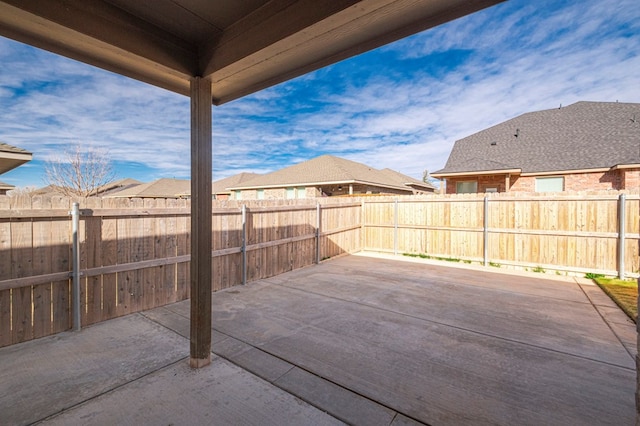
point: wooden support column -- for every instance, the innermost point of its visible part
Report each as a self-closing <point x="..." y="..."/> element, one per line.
<point x="507" y="182"/>
<point x="201" y="165"/>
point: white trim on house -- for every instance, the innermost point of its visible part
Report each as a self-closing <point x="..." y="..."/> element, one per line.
<point x="317" y="184"/>
<point x="625" y="166"/>
<point x="486" y="172"/>
<point x="568" y="172"/>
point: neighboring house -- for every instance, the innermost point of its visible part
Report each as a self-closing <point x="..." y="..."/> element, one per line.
<point x="584" y="146"/>
<point x="115" y="186"/>
<point x="5" y="187"/>
<point x="48" y="190"/>
<point x="161" y="188"/>
<point x="107" y="189"/>
<point x="10" y="158"/>
<point x="327" y="176"/>
<point x="221" y="187"/>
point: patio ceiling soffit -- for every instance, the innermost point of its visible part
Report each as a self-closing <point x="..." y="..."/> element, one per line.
<point x="242" y="47"/>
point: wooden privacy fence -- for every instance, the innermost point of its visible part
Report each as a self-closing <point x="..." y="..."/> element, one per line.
<point x="565" y="233"/>
<point x="134" y="254"/>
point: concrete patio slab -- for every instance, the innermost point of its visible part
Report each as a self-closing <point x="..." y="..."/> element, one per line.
<point x="220" y="394"/>
<point x="45" y="376"/>
<point x="363" y="340"/>
<point x="443" y="345"/>
<point x="132" y="370"/>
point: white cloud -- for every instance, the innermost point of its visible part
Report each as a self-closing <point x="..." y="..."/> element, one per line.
<point x="400" y="107"/>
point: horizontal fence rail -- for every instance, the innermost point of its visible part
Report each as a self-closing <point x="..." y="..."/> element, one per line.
<point x="591" y="233"/>
<point x="134" y="254"/>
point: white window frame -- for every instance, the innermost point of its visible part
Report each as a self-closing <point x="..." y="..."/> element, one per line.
<point x="462" y="182"/>
<point x="544" y="182"/>
<point x="290" y="193"/>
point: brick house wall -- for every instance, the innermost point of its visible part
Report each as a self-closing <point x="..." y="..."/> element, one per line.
<point x="592" y="181"/>
<point x="523" y="184"/>
<point x="630" y="179"/>
<point x="598" y="181"/>
<point x="484" y="182"/>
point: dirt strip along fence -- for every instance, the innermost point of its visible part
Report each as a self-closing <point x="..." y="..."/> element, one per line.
<point x="134" y="254"/>
<point x="563" y="233"/>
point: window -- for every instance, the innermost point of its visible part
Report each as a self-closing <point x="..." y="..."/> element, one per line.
<point x="302" y="192"/>
<point x="260" y="194"/>
<point x="468" y="187"/>
<point x="238" y="195"/>
<point x="291" y="193"/>
<point x="550" y="184"/>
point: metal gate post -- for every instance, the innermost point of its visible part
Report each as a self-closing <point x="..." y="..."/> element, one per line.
<point x="622" y="218"/>
<point x="244" y="244"/>
<point x="318" y="225"/>
<point x="485" y="232"/>
<point x="75" y="274"/>
<point x="395" y="228"/>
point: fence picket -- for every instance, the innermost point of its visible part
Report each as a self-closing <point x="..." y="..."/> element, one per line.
<point x="41" y="265"/>
<point x="560" y="232"/>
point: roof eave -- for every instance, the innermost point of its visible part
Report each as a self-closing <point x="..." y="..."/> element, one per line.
<point x="290" y="184"/>
<point x="626" y="166"/>
<point x="477" y="173"/>
<point x="307" y="184"/>
<point x="567" y="172"/>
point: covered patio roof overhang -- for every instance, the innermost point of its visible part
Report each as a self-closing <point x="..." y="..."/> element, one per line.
<point x="215" y="52"/>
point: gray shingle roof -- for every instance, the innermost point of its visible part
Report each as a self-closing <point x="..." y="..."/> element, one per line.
<point x="116" y="186"/>
<point x="12" y="157"/>
<point x="13" y="149"/>
<point x="6" y="186"/>
<point x="222" y="186"/>
<point x="161" y="188"/>
<point x="584" y="135"/>
<point x="330" y="169"/>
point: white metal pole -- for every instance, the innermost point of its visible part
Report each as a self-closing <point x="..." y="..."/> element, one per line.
<point x="75" y="275"/>
<point x="318" y="224"/>
<point x="622" y="218"/>
<point x="485" y="232"/>
<point x="244" y="244"/>
<point x="395" y="228"/>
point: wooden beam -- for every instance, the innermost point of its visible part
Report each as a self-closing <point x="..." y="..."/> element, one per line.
<point x="201" y="211"/>
<point x="270" y="24"/>
<point x="308" y="35"/>
<point x="98" y="33"/>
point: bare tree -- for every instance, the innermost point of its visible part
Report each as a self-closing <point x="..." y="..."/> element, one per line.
<point x="80" y="171"/>
<point x="427" y="178"/>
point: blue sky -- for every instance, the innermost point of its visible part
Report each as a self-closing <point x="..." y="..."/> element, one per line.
<point x="401" y="106"/>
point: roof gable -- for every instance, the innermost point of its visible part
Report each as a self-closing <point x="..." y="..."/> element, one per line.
<point x="6" y="186"/>
<point x="581" y="136"/>
<point x="161" y="188"/>
<point x="222" y="186"/>
<point x="12" y="157"/>
<point x="330" y="169"/>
